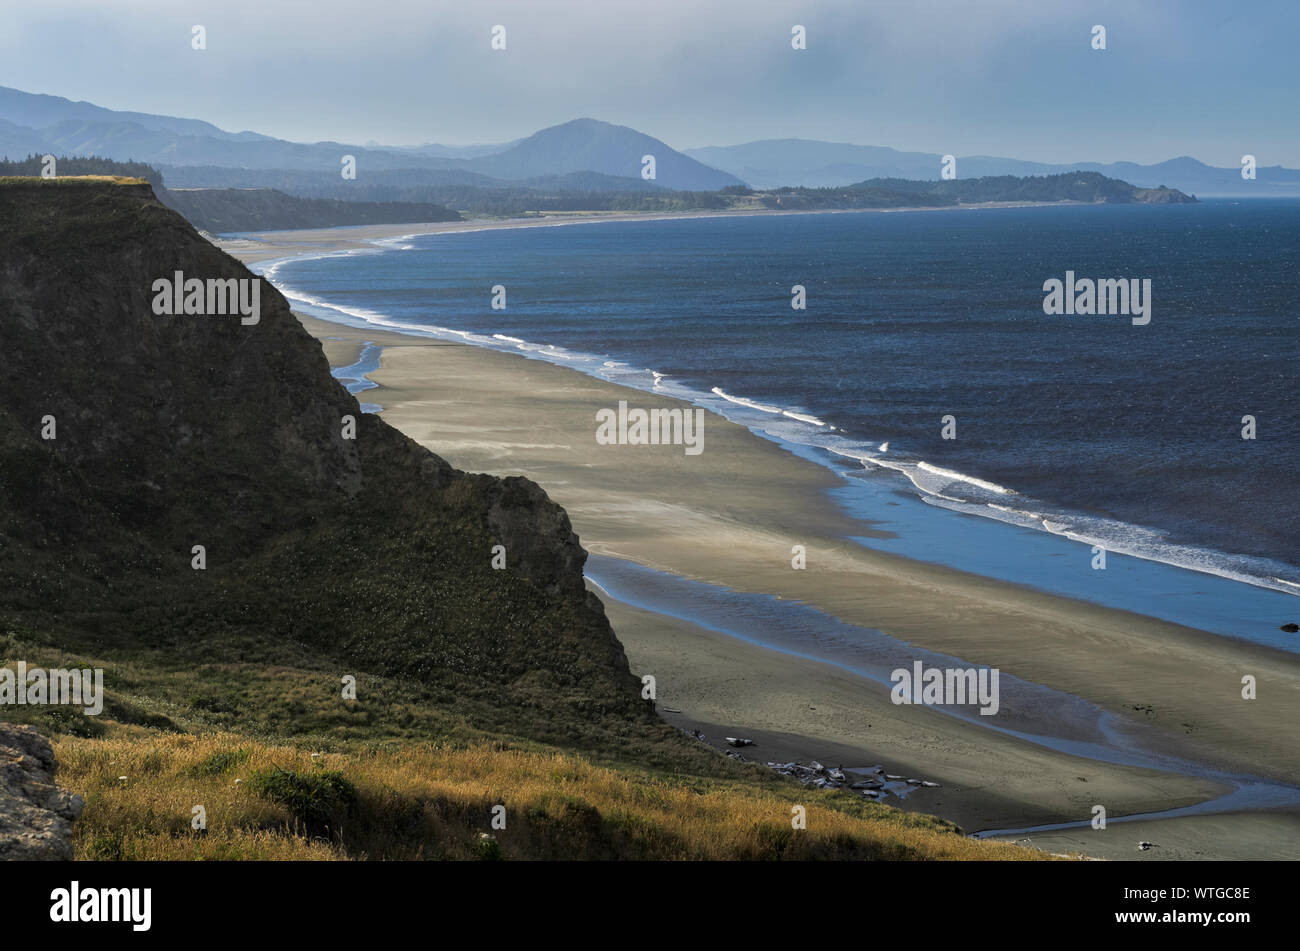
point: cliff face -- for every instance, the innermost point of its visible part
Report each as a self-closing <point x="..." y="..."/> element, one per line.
<point x="177" y="431"/>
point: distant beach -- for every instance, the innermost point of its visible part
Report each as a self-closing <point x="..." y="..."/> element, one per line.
<point x="729" y="519"/>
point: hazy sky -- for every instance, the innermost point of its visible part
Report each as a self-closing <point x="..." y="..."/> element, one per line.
<point x="1013" y="78"/>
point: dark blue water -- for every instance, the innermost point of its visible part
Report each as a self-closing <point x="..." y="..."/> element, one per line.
<point x="1085" y="426"/>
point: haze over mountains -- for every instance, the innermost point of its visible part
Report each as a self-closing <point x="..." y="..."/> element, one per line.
<point x="773" y="162"/>
<point x="583" y="154"/>
<point x="31" y="123"/>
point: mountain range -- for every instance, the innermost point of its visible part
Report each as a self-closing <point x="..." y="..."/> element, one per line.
<point x="771" y="163"/>
<point x="50" y="124"/>
<point x="582" y="154"/>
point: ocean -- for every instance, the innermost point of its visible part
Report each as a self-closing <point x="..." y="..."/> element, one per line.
<point x="1087" y="430"/>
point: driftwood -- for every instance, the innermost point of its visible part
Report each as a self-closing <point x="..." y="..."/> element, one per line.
<point x="822" y="777"/>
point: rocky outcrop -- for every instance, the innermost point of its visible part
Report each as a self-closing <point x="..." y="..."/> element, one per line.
<point x="127" y="438"/>
<point x="36" y="816"/>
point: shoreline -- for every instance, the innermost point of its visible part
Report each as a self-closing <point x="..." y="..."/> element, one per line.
<point x="254" y="247"/>
<point x="534" y="418"/>
<point x="1167" y="566"/>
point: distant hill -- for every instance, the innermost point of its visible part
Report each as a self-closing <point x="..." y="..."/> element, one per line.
<point x="771" y="163"/>
<point x="17" y="141"/>
<point x="593" y="146"/>
<point x="329" y="203"/>
<point x="1086" y="187"/>
<point x="38" y="111"/>
<point x="580" y="155"/>
<point x="37" y="123"/>
<point x="220" y="210"/>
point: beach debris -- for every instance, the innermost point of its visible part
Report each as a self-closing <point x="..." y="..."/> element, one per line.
<point x="699" y="735"/>
<point x="737" y="756"/>
<point x="670" y="710"/>
<point x="1291" y="628"/>
<point x="1143" y="846"/>
<point x="823" y="777"/>
<point x="739" y="741"/>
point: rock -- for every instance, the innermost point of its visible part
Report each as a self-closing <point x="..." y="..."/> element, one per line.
<point x="739" y="741"/>
<point x="36" y="816"/>
<point x="837" y="775"/>
<point x="1291" y="628"/>
<point x="893" y="777"/>
<point x="929" y="785"/>
<point x="913" y="782"/>
<point x="1143" y="846"/>
<point x="867" y="784"/>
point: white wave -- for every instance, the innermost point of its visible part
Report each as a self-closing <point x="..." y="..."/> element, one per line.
<point x="960" y="477"/>
<point x="506" y="338"/>
<point x="768" y="408"/>
<point x="851" y="452"/>
<point x="741" y="401"/>
<point x="803" y="417"/>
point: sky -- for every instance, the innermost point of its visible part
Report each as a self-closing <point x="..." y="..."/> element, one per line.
<point x="1013" y="78"/>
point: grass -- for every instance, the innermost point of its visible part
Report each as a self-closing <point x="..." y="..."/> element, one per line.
<point x="404" y="775"/>
<point x="275" y="802"/>
<point x="71" y="180"/>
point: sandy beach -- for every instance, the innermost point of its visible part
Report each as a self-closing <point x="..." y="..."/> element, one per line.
<point x="731" y="515"/>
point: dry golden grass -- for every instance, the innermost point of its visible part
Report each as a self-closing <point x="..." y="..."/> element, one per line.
<point x="71" y="180"/>
<point x="427" y="802"/>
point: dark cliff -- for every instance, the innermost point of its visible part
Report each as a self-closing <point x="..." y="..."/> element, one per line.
<point x="176" y="431"/>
